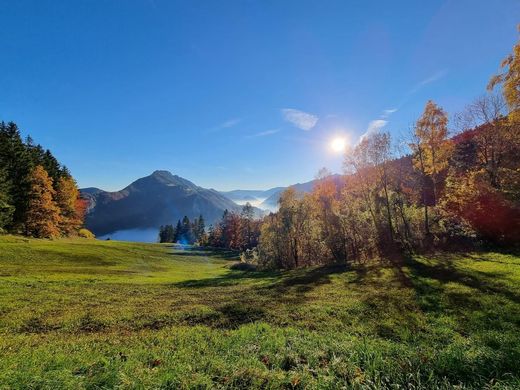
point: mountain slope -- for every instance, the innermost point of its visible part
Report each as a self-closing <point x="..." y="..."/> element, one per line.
<point x="158" y="199"/>
<point x="255" y="197"/>
<point x="271" y="203"/>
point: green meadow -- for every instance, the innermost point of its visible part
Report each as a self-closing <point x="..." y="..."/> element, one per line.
<point x="86" y="314"/>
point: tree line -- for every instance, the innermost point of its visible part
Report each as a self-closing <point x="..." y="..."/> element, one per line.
<point x="38" y="196"/>
<point x="237" y="231"/>
<point x="186" y="232"/>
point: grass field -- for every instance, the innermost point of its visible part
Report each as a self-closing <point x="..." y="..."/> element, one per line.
<point x="96" y="314"/>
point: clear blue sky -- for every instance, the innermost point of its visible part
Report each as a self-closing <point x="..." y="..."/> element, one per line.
<point x="235" y="94"/>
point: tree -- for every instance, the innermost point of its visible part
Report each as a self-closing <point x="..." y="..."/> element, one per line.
<point x="199" y="230"/>
<point x="510" y="81"/>
<point x="17" y="162"/>
<point x="325" y="207"/>
<point x="166" y="233"/>
<point x="185" y="234"/>
<point x="247" y="217"/>
<point x="43" y="215"/>
<point x="177" y="231"/>
<point x="431" y="151"/>
<point x="6" y="208"/>
<point x="70" y="204"/>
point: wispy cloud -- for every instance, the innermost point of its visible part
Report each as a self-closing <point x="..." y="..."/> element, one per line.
<point x="434" y="77"/>
<point x="302" y="120"/>
<point x="263" y="133"/>
<point x="376" y="125"/>
<point x="226" y="125"/>
<point x="388" y="112"/>
<point x="373" y="127"/>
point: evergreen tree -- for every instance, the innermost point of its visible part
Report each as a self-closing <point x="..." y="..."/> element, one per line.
<point x="166" y="233"/>
<point x="178" y="231"/>
<point x="17" y="163"/>
<point x="198" y="230"/>
<point x="185" y="236"/>
<point x="43" y="215"/>
<point x="6" y="208"/>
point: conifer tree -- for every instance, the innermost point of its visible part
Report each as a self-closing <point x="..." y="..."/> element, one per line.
<point x="6" y="208"/>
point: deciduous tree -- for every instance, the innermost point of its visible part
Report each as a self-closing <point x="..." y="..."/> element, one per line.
<point x="43" y="215"/>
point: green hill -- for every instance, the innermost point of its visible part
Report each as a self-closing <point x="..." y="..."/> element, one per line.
<point x="104" y="314"/>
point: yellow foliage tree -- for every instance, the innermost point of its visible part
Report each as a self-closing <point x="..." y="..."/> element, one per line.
<point x="43" y="215"/>
<point x="431" y="150"/>
<point x="67" y="198"/>
<point x="510" y="80"/>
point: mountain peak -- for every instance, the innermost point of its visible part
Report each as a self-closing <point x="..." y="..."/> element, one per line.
<point x="161" y="173"/>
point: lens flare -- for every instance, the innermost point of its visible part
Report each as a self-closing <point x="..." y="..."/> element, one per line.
<point x="338" y="145"/>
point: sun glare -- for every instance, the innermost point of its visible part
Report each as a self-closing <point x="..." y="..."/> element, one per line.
<point x="338" y="145"/>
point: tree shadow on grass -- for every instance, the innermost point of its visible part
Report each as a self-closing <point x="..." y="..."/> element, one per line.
<point x="195" y="251"/>
<point x="475" y="300"/>
<point x="445" y="271"/>
<point x="258" y="291"/>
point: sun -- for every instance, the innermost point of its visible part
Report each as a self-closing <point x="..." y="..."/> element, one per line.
<point x="338" y="144"/>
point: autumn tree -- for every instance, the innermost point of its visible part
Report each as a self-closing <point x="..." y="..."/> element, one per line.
<point x="509" y="79"/>
<point x="70" y="204"/>
<point x="43" y="215"/>
<point x="431" y="150"/>
<point x="325" y="210"/>
<point x="247" y="221"/>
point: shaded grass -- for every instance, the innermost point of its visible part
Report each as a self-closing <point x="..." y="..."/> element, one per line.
<point x="94" y="314"/>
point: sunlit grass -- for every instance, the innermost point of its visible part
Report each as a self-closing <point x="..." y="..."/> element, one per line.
<point x="97" y="314"/>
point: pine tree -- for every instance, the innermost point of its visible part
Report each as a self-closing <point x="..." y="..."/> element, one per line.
<point x="177" y="231"/>
<point x="43" y="215"/>
<point x="6" y="208"/>
<point x="185" y="235"/>
<point x="17" y="163"/>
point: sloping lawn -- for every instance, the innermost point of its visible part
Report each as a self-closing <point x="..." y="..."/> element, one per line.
<point x="97" y="314"/>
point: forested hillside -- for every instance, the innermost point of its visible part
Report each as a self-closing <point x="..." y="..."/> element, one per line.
<point x="432" y="191"/>
<point x="38" y="195"/>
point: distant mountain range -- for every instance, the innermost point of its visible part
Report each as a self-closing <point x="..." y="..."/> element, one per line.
<point x="163" y="198"/>
<point x="268" y="200"/>
<point x="158" y="199"/>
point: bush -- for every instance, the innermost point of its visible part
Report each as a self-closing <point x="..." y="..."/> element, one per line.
<point x="85" y="233"/>
<point x="249" y="256"/>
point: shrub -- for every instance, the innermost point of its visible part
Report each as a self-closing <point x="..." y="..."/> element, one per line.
<point x="85" y="233"/>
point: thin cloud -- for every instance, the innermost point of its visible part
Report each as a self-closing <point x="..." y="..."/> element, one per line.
<point x="302" y="120"/>
<point x="373" y="127"/>
<point x="263" y="133"/>
<point x="434" y="77"/>
<point x="388" y="112"/>
<point x="226" y="125"/>
<point x="376" y="125"/>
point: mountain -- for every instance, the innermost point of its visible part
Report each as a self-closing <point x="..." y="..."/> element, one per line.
<point x="271" y="203"/>
<point x="268" y="199"/>
<point x="152" y="201"/>
<point x="255" y="197"/>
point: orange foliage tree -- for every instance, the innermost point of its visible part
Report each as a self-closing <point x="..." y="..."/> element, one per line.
<point x="72" y="207"/>
<point x="43" y="215"/>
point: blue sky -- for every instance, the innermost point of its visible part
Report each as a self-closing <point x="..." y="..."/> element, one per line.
<point x="235" y="94"/>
